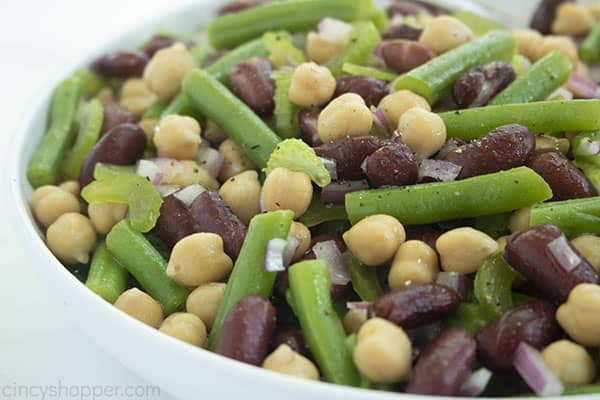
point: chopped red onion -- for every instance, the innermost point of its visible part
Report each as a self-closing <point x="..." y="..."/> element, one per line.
<point x="167" y="190"/>
<point x="582" y="88"/>
<point x="211" y="160"/>
<point x="170" y="167"/>
<point x="274" y="255"/>
<point x="189" y="194"/>
<point x="455" y="281"/>
<point x="379" y="51"/>
<point x="563" y="253"/>
<point x="150" y="170"/>
<point x="335" y="192"/>
<point x="587" y="148"/>
<point x="532" y="368"/>
<point x="290" y="249"/>
<point x="329" y="252"/>
<point x="363" y="165"/>
<point x="444" y="171"/>
<point x="381" y="120"/>
<point x="450" y="145"/>
<point x="358" y="305"/>
<point x="331" y="167"/>
<point x="560" y="93"/>
<point x="476" y="383"/>
<point x="334" y="30"/>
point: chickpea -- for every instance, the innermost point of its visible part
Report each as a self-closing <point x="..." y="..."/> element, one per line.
<point x="149" y="127"/>
<point x="414" y="263"/>
<point x="549" y="142"/>
<point x="345" y="116"/>
<point x="383" y="352"/>
<point x="166" y="70"/>
<point x="375" y="239"/>
<point x="519" y="220"/>
<point x="563" y="44"/>
<point x="140" y="306"/>
<point x="572" y="20"/>
<point x="286" y="361"/>
<point x="177" y="137"/>
<point x="185" y="327"/>
<point x="445" y="33"/>
<point x="397" y="103"/>
<point x="214" y="134"/>
<point x="287" y="190"/>
<point x="464" y="249"/>
<point x="594" y="9"/>
<point x="71" y="187"/>
<point x="321" y="50"/>
<point x="236" y="160"/>
<point x="106" y="215"/>
<point x="589" y="247"/>
<point x="501" y="243"/>
<point x="529" y="42"/>
<point x="136" y="96"/>
<point x="301" y="232"/>
<point x="570" y="362"/>
<point x="579" y="315"/>
<point x="312" y="85"/>
<point x="71" y="238"/>
<point x="48" y="203"/>
<point x="354" y="319"/>
<point x="423" y="131"/>
<point x="204" y="302"/>
<point x="188" y="173"/>
<point x="242" y="194"/>
<point x="198" y="259"/>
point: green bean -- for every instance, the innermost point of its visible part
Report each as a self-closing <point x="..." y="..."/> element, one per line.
<point x="544" y="77"/>
<point x="587" y="389"/>
<point x="242" y="125"/>
<point x="310" y="284"/>
<point x="91" y="82"/>
<point x="44" y="165"/>
<point x="540" y="117"/>
<point x="180" y="105"/>
<point x="444" y="201"/>
<point x="220" y="68"/>
<point x="156" y="110"/>
<point x="107" y="277"/>
<point x="370" y="72"/>
<point x="494" y="225"/>
<point x="364" y="279"/>
<point x="433" y="79"/>
<point x="249" y="276"/>
<point x="493" y="283"/>
<point x="469" y="316"/>
<point x="286" y="113"/>
<point x="573" y="217"/>
<point x="146" y="265"/>
<point x="590" y="48"/>
<point x="478" y="24"/>
<point x="364" y="39"/>
<point x="293" y="15"/>
<point x="319" y="213"/>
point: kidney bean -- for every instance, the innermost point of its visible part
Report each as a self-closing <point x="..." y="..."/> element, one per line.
<point x="565" y="179"/>
<point x="370" y="89"/>
<point x="503" y="148"/>
<point x="292" y="336"/>
<point x="158" y="42"/>
<point x="392" y="165"/>
<point x="401" y="31"/>
<point x="544" y="15"/>
<point x="210" y="214"/>
<point x="425" y="233"/>
<point x="403" y="55"/>
<point x="251" y="81"/>
<point x="308" y="120"/>
<point x="528" y="253"/>
<point x="349" y="154"/>
<point x="533" y="323"/>
<point x="122" y="145"/>
<point x="247" y="330"/>
<point x="444" y="364"/>
<point x="412" y="7"/>
<point x="121" y="64"/>
<point x="116" y="114"/>
<point x="174" y="222"/>
<point x="237" y="6"/>
<point x="416" y="305"/>
<point x="478" y="86"/>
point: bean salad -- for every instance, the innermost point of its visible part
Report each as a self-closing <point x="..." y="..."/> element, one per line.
<point x="402" y="199"/>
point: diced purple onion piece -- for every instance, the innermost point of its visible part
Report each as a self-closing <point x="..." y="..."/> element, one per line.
<point x="274" y="255"/>
<point x="563" y="253"/>
<point x="587" y="148"/>
<point x="189" y="194"/>
<point x="532" y="368"/>
<point x="211" y="160"/>
<point x="582" y="88"/>
<point x="450" y="145"/>
<point x="290" y="249"/>
<point x="335" y="193"/>
<point x="358" y="305"/>
<point x="444" y="171"/>
<point x="455" y="281"/>
<point x="381" y="120"/>
<point x="329" y="252"/>
<point x="170" y="167"/>
<point x="334" y="30"/>
<point x="476" y="383"/>
<point x="331" y="167"/>
<point x="148" y="169"/>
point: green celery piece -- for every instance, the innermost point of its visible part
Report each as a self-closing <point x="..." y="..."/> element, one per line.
<point x="296" y="155"/>
<point x="573" y="217"/>
<point x="286" y="113"/>
<point x="282" y="50"/>
<point x="364" y="278"/>
<point x="363" y="40"/>
<point x="469" y="316"/>
<point x="369" y="72"/>
<point x="103" y="172"/>
<point x="493" y="283"/>
<point x="319" y="213"/>
<point x="478" y="24"/>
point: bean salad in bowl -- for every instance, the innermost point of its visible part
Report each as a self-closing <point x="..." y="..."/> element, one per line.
<point x="402" y="200"/>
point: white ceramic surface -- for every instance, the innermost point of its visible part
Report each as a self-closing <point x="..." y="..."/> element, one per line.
<point x="180" y="369"/>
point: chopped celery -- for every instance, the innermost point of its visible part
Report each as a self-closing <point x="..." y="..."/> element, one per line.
<point x="520" y="64"/>
<point x="296" y="155"/>
<point x="493" y="283"/>
<point x="103" y="172"/>
<point x="369" y="72"/>
<point x="469" y="316"/>
<point x="363" y="40"/>
<point x="364" y="278"/>
<point x="286" y="112"/>
<point x="281" y="48"/>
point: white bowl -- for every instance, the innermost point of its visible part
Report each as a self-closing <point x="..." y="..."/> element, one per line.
<point x="178" y="368"/>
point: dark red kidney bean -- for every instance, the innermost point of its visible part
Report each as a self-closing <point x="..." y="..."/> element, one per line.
<point x="121" y="64"/>
<point x="565" y="179"/>
<point x="174" y="222"/>
<point x="211" y="214"/>
<point x="251" y="82"/>
<point x="506" y="147"/>
<point x="214" y="57"/>
<point x="247" y="330"/>
<point x="349" y="154"/>
<point x="237" y="6"/>
<point x="308" y="121"/>
<point x="403" y="55"/>
<point x="444" y="364"/>
<point x="392" y="165"/>
<point x="532" y="323"/>
<point x="478" y="86"/>
<point x="401" y="31"/>
<point x="412" y="7"/>
<point x="116" y="114"/>
<point x="122" y="145"/>
<point x="544" y="15"/>
<point x="425" y="233"/>
<point x="157" y="43"/>
<point x="528" y="253"/>
<point x="370" y="89"/>
<point x="293" y="337"/>
<point x="416" y="305"/>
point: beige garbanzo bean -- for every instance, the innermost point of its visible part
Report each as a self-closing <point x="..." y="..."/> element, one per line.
<point x="48" y="203"/>
<point x="445" y="33"/>
<point x="287" y="190"/>
<point x="414" y="263"/>
<point x="423" y="132"/>
<point x="570" y="363"/>
<point x="185" y="327"/>
<point x="464" y="249"/>
<point x="563" y="44"/>
<point x="166" y="70"/>
<point x="242" y="194"/>
<point x="300" y="231"/>
<point x="71" y="187"/>
<point x="572" y="20"/>
<point x="594" y="9"/>
<point x="519" y="220"/>
<point x="106" y="96"/>
<point x="236" y="161"/>
<point x="383" y="352"/>
<point x="375" y="239"/>
<point x="198" y="259"/>
<point x="286" y="361"/>
<point x="346" y="116"/>
<point x="395" y="104"/>
<point x="71" y="238"/>
<point x="178" y="137"/>
<point x="354" y="319"/>
<point x="213" y="133"/>
<point x="140" y="306"/>
<point x="321" y="50"/>
<point x="106" y="215"/>
<point x="501" y="243"/>
<point x="529" y="43"/>
<point x="312" y="85"/>
<point x="149" y="127"/>
<point x="204" y="302"/>
<point x="579" y="315"/>
<point x="136" y="96"/>
<point x="187" y="173"/>
<point x="589" y="247"/>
